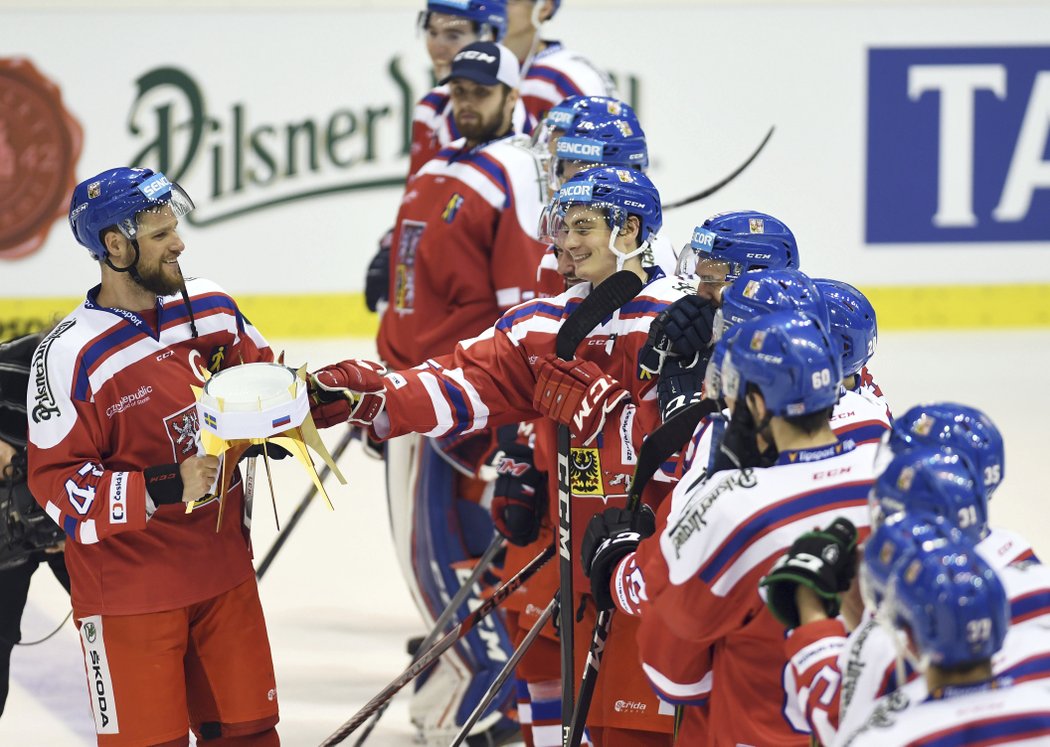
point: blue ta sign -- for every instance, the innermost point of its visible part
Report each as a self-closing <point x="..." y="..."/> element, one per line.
<point x="957" y="145"/>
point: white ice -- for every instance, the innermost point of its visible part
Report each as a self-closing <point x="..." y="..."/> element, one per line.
<point x="338" y="614"/>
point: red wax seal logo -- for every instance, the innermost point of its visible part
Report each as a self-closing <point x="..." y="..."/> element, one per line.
<point x="39" y="147"/>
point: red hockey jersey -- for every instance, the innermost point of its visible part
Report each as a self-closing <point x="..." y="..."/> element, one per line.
<point x="463" y="249"/>
<point x="111" y="397"/>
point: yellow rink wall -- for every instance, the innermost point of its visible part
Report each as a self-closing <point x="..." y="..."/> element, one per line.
<point x="345" y="315"/>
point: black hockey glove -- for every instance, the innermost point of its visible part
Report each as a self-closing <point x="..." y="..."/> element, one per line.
<point x="824" y="560"/>
<point x="680" y="385"/>
<point x="610" y="536"/>
<point x="739" y="446"/>
<point x="519" y="498"/>
<point x="684" y="329"/>
<point x="273" y="451"/>
<point x="377" y="277"/>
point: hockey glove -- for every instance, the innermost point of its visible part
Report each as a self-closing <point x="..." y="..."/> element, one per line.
<point x="683" y="330"/>
<point x="377" y="277"/>
<point x="349" y="391"/>
<point x="739" y="446"/>
<point x="578" y="394"/>
<point x="679" y="385"/>
<point x="824" y="560"/>
<point x="519" y="498"/>
<point x="610" y="536"/>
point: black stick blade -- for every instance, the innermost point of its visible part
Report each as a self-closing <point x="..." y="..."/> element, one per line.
<point x="604" y="299"/>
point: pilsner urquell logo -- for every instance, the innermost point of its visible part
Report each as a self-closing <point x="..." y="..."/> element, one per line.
<point x="251" y="165"/>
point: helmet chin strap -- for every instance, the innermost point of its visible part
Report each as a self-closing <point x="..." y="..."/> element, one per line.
<point x="133" y="268"/>
<point x="133" y="272"/>
<point x="622" y="257"/>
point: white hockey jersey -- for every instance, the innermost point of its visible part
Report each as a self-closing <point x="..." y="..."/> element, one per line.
<point x="990" y="714"/>
<point x="836" y="679"/>
<point x="556" y="73"/>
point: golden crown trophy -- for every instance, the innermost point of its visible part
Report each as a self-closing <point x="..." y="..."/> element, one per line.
<point x="254" y="404"/>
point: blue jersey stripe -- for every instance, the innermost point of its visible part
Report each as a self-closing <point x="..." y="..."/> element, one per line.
<point x="435" y="100"/>
<point x="1030" y="605"/>
<point x="1036" y="667"/>
<point x="1020" y="726"/>
<point x="786" y="510"/>
<point x="864" y="433"/>
<point x="69" y="525"/>
<point x="486" y="163"/>
<point x="527" y="310"/>
<point x="459" y="404"/>
<point x="93" y="354"/>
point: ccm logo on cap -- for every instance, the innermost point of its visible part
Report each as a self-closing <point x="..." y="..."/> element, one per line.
<point x="473" y="54"/>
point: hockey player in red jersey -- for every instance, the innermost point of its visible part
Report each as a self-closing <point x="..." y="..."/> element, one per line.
<point x="463" y="253"/>
<point x="167" y="607"/>
<point x="550" y="72"/>
<point x="693" y="582"/>
<point x="508" y="373"/>
<point x="448" y="26"/>
<point x="480" y="198"/>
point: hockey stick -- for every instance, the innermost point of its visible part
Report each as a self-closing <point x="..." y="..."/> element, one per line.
<point x="504" y="673"/>
<point x="603" y="300"/>
<point x="483" y="564"/>
<point x="428" y="657"/>
<point x="718" y="185"/>
<point x="661" y="444"/>
<point x="297" y="515"/>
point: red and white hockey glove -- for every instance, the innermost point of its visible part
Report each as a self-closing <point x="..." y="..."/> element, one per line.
<point x="350" y="391"/>
<point x="578" y="394"/>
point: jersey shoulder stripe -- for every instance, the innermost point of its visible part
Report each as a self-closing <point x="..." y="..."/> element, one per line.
<point x="780" y="514"/>
<point x="1014" y="727"/>
<point x="1036" y="667"/>
<point x="557" y="78"/>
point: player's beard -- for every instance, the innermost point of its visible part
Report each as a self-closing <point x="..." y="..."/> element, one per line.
<point x="159" y="282"/>
<point x="482" y="130"/>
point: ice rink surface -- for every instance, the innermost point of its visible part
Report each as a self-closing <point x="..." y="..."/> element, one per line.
<point x="338" y="614"/>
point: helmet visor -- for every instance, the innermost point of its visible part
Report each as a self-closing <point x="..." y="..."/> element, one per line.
<point x="159" y="193"/>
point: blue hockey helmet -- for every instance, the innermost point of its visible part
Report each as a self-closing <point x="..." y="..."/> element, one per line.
<point x="964" y="429"/>
<point x="934" y="480"/>
<point x="766" y="291"/>
<point x="894" y="541"/>
<point x="619" y="193"/>
<point x="744" y="240"/>
<point x="789" y="357"/>
<point x="603" y="131"/>
<point x="114" y="198"/>
<point x="490" y="16"/>
<point x="952" y="603"/>
<point x="852" y="322"/>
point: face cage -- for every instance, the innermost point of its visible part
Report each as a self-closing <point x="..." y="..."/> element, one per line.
<point x="179" y="202"/>
<point x="615" y="218"/>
